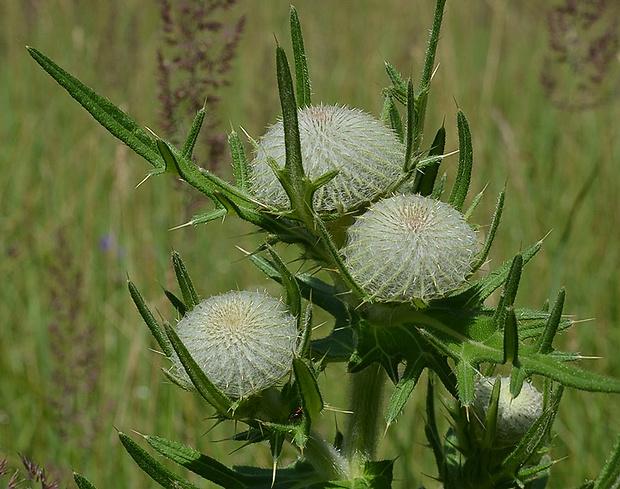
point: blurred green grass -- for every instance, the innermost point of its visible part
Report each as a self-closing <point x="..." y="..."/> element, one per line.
<point x="67" y="185"/>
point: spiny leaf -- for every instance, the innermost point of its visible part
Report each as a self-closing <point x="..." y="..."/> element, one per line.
<point x="497" y="215"/>
<point x="301" y="63"/>
<point x="149" y="319"/>
<point x="190" y="297"/>
<point x="466" y="161"/>
<point x="105" y="112"/>
<point x="203" y="385"/>
<point x="159" y="473"/>
<point x="411" y="134"/>
<point x="240" y="162"/>
<point x="311" y="399"/>
<point x="553" y="323"/>
<point x="424" y="181"/>
<point x="200" y="464"/>
<point x="82" y="482"/>
<point x="192" y="137"/>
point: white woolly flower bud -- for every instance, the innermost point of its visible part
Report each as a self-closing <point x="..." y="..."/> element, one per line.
<point x="410" y="247"/>
<point x="243" y="341"/>
<point x="515" y="415"/>
<point x="367" y="154"/>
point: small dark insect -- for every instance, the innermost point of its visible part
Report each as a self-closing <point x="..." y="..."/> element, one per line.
<point x="296" y="416"/>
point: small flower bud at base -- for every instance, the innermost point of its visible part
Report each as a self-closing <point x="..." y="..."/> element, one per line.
<point x="243" y="341"/>
<point x="410" y="247"/>
<point x="515" y="415"/>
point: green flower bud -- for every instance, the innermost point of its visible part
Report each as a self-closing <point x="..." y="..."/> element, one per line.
<point x="515" y="415"/>
<point x="368" y="154"/>
<point x="243" y="341"/>
<point x="410" y="247"/>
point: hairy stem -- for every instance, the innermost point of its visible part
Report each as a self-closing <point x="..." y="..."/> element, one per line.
<point x="325" y="458"/>
<point x="361" y="433"/>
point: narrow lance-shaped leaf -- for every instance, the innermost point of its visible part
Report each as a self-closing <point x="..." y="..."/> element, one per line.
<point x="203" y="385"/>
<point x="149" y="319"/>
<point x="396" y="78"/>
<point x="292" y="145"/>
<point x="293" y="295"/>
<point x="391" y="117"/>
<point x="192" y="137"/>
<point x="82" y="482"/>
<point x="312" y="401"/>
<point x="158" y="472"/>
<point x="301" y="62"/>
<point x="553" y="322"/>
<point x="466" y="160"/>
<point x="510" y="291"/>
<point x="105" y="112"/>
<point x="412" y="129"/>
<point x="511" y="337"/>
<point x="200" y="464"/>
<point x="497" y="215"/>
<point x="190" y="296"/>
<point x="490" y="421"/>
<point x="424" y="181"/>
<point x="240" y="162"/>
<point x="610" y="474"/>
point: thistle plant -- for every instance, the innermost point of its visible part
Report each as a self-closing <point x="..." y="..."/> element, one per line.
<point x="393" y="258"/>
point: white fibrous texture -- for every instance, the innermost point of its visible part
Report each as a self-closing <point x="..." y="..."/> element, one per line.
<point x="243" y="341"/>
<point x="515" y="415"/>
<point x="410" y="247"/>
<point x="367" y="154"/>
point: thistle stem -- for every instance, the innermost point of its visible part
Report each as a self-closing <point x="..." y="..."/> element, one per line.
<point x="361" y="433"/>
<point x="325" y="458"/>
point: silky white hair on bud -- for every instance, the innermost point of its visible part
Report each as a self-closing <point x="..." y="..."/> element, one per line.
<point x="410" y="247"/>
<point x="515" y="415"/>
<point x="367" y="154"/>
<point x="243" y="341"/>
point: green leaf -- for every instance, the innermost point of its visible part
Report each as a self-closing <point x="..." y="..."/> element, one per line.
<point x="206" y="467"/>
<point x="82" y="482"/>
<point x="190" y="297"/>
<point x="431" y="431"/>
<point x="149" y="319"/>
<point x="192" y="137"/>
<point x="390" y="117"/>
<point x="551" y="328"/>
<point x="203" y="385"/>
<point x="241" y="166"/>
<point x="425" y="180"/>
<point x="176" y="303"/>
<point x="475" y="294"/>
<point x="105" y="112"/>
<point x="610" y="474"/>
<point x="411" y="143"/>
<point x="511" y="337"/>
<point x="294" y="171"/>
<point x="301" y="63"/>
<point x="466" y="161"/>
<point x="509" y="293"/>
<point x="497" y="215"/>
<point x="311" y="399"/>
<point x="159" y="473"/>
<point x="293" y="295"/>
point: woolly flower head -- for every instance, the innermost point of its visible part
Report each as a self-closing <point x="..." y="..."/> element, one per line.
<point x="410" y="247"/>
<point x="515" y="415"/>
<point x="368" y="154"/>
<point x="243" y="341"/>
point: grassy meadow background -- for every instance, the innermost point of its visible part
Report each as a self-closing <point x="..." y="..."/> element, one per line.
<point x="75" y="358"/>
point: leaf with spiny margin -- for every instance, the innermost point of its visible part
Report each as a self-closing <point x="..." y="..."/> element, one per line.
<point x="241" y="166"/>
<point x="82" y="482"/>
<point x="293" y="294"/>
<point x="309" y="393"/>
<point x="105" y="112"/>
<point x="206" y="467"/>
<point x="190" y="296"/>
<point x="470" y="338"/>
<point x="474" y="294"/>
<point x="203" y="385"/>
<point x="149" y="319"/>
<point x="411" y="143"/>
<point x="391" y="345"/>
<point x="610" y="474"/>
<point x="158" y="472"/>
<point x="497" y="215"/>
<point x="424" y="181"/>
<point x="177" y="303"/>
<point x="391" y="118"/>
<point x="301" y="62"/>
<point x="466" y="161"/>
<point x="192" y="137"/>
